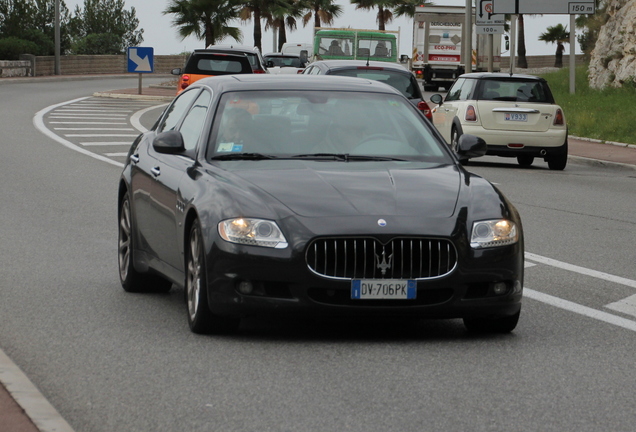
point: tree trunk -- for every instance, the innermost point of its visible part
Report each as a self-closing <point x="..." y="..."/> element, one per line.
<point x="382" y="25"/>
<point x="258" y="33"/>
<point x="282" y="36"/>
<point x="316" y="17"/>
<point x="558" y="61"/>
<point x="522" y="62"/>
<point x="209" y="32"/>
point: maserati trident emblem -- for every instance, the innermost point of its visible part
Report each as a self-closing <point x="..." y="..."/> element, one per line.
<point x="383" y="264"/>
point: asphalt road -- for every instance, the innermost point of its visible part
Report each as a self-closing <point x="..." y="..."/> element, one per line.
<point x="112" y="361"/>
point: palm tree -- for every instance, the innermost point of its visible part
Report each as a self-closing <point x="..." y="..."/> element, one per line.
<point x="406" y="8"/>
<point x="559" y="35"/>
<point x="385" y="15"/>
<point x="323" y="11"/>
<point x="282" y="17"/>
<point x="522" y="62"/>
<point x="258" y="10"/>
<point x="205" y="19"/>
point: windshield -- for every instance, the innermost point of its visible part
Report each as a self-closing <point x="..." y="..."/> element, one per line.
<point x="325" y="124"/>
<point x="282" y="61"/>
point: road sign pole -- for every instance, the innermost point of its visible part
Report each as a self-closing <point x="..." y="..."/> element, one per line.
<point x="468" y="38"/>
<point x="572" y="53"/>
<point x="513" y="43"/>
<point x="140" y="86"/>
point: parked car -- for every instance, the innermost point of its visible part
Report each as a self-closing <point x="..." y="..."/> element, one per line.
<point x="219" y="60"/>
<point x="226" y="198"/>
<point x="395" y="75"/>
<point x="278" y="63"/>
<point x="515" y="114"/>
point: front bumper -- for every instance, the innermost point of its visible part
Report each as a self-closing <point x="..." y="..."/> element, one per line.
<point x="285" y="285"/>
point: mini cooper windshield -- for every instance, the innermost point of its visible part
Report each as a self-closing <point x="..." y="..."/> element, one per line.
<point x="340" y="125"/>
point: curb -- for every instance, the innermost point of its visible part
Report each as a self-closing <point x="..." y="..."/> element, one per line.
<point x="35" y="405"/>
<point x="594" y="140"/>
<point x="133" y="96"/>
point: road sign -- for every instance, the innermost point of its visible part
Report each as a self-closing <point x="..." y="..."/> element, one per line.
<point x="561" y="7"/>
<point x="487" y="22"/>
<point x="141" y="59"/>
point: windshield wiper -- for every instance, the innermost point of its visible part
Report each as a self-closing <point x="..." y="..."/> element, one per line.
<point x="243" y="156"/>
<point x="346" y="157"/>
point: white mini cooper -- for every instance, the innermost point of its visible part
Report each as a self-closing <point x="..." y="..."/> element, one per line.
<point x="515" y="114"/>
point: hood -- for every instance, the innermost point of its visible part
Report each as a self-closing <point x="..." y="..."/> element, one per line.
<point x="323" y="189"/>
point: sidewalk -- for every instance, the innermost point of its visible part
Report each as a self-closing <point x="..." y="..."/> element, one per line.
<point x="24" y="409"/>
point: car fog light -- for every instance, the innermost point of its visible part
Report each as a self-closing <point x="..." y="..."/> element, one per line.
<point x="499" y="288"/>
<point x="245" y="287"/>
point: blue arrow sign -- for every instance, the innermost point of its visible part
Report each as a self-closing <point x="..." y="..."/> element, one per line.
<point x="141" y="59"/>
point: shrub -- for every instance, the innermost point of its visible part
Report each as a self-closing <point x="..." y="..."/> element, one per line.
<point x="12" y="47"/>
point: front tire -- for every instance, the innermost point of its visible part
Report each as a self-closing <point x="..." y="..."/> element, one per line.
<point x="200" y="317"/>
<point x="132" y="280"/>
<point x="492" y="325"/>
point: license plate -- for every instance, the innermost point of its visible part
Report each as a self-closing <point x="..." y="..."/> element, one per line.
<point x="516" y="117"/>
<point x="378" y="289"/>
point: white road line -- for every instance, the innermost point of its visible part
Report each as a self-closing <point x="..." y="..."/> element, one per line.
<point x="135" y="118"/>
<point x="38" y="121"/>
<point x="626" y="305"/>
<point x="100" y="135"/>
<point x="87" y="123"/>
<point x="581" y="270"/>
<point x="94" y="129"/>
<point x="580" y="309"/>
<point x="89" y="144"/>
<point x="90" y="116"/>
<point x="117" y="154"/>
<point x="528" y="264"/>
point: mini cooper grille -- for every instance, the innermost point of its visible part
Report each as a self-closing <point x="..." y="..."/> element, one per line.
<point x="368" y="258"/>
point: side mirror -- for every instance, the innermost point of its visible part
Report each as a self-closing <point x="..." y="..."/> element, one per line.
<point x="470" y="146"/>
<point x="269" y="63"/>
<point x="437" y="99"/>
<point x="176" y="71"/>
<point x="170" y="142"/>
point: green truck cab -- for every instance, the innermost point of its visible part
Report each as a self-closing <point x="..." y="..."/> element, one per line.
<point x="351" y="44"/>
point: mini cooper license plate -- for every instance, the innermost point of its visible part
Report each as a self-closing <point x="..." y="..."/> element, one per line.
<point x="379" y="289"/>
<point x="516" y="117"/>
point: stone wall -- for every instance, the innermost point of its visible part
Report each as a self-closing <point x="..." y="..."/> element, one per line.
<point x="117" y="64"/>
<point x="613" y="60"/>
<point x="101" y="64"/>
<point x="14" y="68"/>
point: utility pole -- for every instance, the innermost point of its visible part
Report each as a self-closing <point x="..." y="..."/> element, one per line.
<point x="468" y="38"/>
<point x="57" y="38"/>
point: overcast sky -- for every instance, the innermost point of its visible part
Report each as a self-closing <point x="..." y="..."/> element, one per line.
<point x="159" y="33"/>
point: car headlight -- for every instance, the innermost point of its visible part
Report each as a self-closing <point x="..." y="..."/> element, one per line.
<point x="254" y="232"/>
<point x="492" y="233"/>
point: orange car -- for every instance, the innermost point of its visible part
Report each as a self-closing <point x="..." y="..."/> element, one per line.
<point x="205" y="63"/>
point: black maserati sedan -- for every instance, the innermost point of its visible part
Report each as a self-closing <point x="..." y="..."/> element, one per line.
<point x="334" y="196"/>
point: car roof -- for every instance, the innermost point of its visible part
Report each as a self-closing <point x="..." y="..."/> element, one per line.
<point x="500" y="75"/>
<point x="292" y="82"/>
<point x="351" y="64"/>
<point x="241" y="48"/>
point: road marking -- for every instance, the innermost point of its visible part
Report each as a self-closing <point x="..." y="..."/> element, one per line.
<point x="95" y="143"/>
<point x="626" y="305"/>
<point x="87" y="123"/>
<point x="100" y="135"/>
<point x="117" y="154"/>
<point x="38" y="121"/>
<point x="581" y="270"/>
<point x="135" y="118"/>
<point x="94" y="129"/>
<point x="580" y="309"/>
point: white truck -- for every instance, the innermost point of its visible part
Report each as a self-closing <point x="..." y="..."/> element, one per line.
<point x="437" y="57"/>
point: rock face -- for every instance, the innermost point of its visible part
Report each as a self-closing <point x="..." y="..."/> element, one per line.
<point x="613" y="60"/>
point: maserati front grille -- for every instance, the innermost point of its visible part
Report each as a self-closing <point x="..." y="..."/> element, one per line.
<point x="368" y="258"/>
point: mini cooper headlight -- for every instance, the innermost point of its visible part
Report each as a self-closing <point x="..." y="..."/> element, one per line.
<point x="492" y="233"/>
<point x="254" y="232"/>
